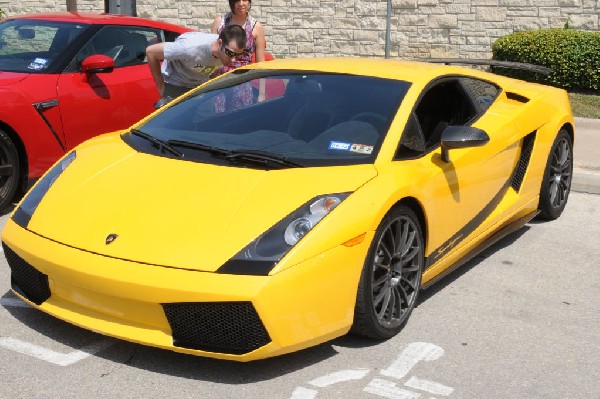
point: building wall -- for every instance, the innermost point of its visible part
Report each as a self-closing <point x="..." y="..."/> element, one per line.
<point x="317" y="28"/>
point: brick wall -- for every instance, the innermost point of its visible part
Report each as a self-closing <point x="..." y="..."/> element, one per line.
<point x="317" y="28"/>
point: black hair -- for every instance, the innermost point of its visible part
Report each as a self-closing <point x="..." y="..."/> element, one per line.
<point x="233" y="32"/>
<point x="232" y="5"/>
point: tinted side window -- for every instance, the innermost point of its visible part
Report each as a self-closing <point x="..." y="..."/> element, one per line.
<point x="443" y="105"/>
<point x="125" y="44"/>
<point x="412" y="143"/>
<point x="483" y="93"/>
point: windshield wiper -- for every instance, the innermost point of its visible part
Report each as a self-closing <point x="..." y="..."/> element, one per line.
<point x="158" y="143"/>
<point x="198" y="146"/>
<point x="262" y="157"/>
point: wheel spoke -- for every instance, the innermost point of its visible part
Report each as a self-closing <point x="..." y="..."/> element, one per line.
<point x="413" y="284"/>
<point x="408" y="242"/>
<point x="399" y="237"/>
<point x="414" y="252"/>
<point x="389" y="242"/>
<point x="380" y="265"/>
<point x="380" y="280"/>
<point x="563" y="152"/>
<point x="380" y="296"/>
<point x="387" y="294"/>
<point x="387" y="252"/>
<point x="553" y="193"/>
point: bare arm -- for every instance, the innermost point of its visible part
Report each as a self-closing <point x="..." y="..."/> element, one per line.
<point x="259" y="37"/>
<point x="156" y="55"/>
<point x="215" y="25"/>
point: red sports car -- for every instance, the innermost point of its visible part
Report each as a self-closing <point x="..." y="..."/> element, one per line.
<point x="65" y="77"/>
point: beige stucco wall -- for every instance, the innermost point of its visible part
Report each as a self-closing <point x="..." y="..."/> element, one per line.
<point x="419" y="28"/>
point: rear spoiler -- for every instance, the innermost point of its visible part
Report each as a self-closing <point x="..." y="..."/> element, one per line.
<point x="500" y="64"/>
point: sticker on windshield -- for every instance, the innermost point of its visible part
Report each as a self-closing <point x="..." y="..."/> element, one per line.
<point x="352" y="147"/>
<point x="38" y="64"/>
<point x="339" y="145"/>
<point x="361" y="148"/>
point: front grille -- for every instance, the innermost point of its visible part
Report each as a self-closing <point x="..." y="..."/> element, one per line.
<point x="224" y="327"/>
<point x="25" y="279"/>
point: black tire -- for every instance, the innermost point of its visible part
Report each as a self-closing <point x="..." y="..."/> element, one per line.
<point x="391" y="276"/>
<point x="556" y="184"/>
<point x="9" y="171"/>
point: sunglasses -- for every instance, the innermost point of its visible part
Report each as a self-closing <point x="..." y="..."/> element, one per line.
<point x="231" y="54"/>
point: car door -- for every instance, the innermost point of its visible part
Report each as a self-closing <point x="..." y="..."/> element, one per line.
<point x="91" y="104"/>
<point x="462" y="192"/>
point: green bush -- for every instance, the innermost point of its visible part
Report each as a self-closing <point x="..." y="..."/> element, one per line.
<point x="573" y="56"/>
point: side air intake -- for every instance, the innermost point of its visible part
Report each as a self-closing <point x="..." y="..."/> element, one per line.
<point x="523" y="164"/>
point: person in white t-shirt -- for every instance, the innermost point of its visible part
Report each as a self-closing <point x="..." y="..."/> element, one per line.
<point x="192" y="58"/>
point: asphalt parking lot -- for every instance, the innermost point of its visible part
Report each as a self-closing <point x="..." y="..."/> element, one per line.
<point x="520" y="320"/>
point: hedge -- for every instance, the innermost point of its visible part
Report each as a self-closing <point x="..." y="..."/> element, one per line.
<point x="573" y="56"/>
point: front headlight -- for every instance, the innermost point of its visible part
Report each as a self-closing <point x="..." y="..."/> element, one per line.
<point x="263" y="253"/>
<point x="25" y="211"/>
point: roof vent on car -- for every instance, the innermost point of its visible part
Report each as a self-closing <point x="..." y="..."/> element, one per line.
<point x="516" y="97"/>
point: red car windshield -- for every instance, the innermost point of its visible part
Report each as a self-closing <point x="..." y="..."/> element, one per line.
<point x="30" y="46"/>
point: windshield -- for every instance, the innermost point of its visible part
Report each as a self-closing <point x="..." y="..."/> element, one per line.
<point x="307" y="119"/>
<point x="31" y="46"/>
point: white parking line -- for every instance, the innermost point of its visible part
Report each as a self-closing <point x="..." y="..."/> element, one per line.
<point x="339" y="376"/>
<point x="50" y="356"/>
<point x="413" y="354"/>
<point x="304" y="393"/>
<point x="400" y="367"/>
<point x="430" y="386"/>
<point x="388" y="389"/>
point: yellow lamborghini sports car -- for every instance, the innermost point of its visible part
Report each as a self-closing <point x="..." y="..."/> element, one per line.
<point x="230" y="228"/>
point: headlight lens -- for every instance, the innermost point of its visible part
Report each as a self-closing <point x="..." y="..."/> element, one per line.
<point x="317" y="211"/>
<point x="263" y="253"/>
<point x="25" y="211"/>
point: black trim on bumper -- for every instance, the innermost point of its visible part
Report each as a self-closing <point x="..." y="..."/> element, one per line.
<point x="26" y="280"/>
<point x="220" y="327"/>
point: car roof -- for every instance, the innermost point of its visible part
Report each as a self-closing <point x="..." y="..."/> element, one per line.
<point x="101" y="19"/>
<point x="417" y="72"/>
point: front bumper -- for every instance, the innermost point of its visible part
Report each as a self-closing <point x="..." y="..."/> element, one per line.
<point x="233" y="317"/>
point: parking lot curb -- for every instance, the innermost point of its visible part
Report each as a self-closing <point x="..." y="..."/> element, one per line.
<point x="585" y="181"/>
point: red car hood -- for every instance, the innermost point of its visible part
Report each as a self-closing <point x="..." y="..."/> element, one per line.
<point x="9" y="78"/>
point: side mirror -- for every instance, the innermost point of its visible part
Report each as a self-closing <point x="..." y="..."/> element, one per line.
<point x="462" y="137"/>
<point x="97" y="63"/>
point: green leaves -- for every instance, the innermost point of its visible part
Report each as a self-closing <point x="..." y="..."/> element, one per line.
<point x="573" y="55"/>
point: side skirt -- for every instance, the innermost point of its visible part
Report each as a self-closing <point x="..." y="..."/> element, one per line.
<point x="499" y="234"/>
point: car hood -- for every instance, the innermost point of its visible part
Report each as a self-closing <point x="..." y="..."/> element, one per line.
<point x="9" y="78"/>
<point x="172" y="212"/>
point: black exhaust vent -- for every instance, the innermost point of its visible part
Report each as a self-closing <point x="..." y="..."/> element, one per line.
<point x="25" y="279"/>
<point x="223" y="327"/>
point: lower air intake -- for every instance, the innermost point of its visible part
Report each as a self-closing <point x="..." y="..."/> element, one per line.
<point x="25" y="279"/>
<point x="223" y="327"/>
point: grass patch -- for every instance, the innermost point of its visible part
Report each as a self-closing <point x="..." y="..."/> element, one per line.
<point x="585" y="105"/>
